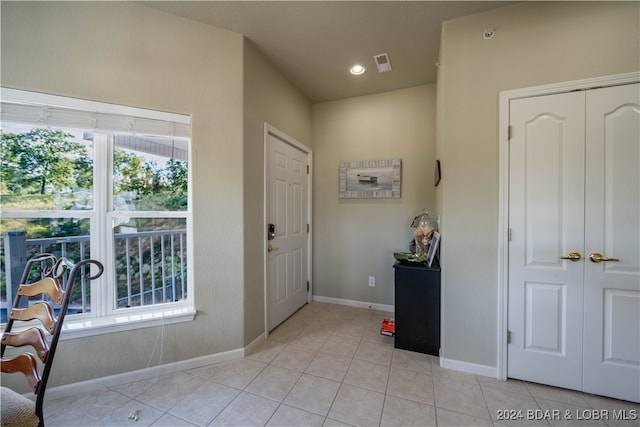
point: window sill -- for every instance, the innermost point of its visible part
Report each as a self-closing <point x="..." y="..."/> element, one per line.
<point x="80" y="326"/>
<point x="125" y="321"/>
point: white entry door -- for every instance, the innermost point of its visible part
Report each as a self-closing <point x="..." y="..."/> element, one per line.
<point x="574" y="322"/>
<point x="287" y="212"/>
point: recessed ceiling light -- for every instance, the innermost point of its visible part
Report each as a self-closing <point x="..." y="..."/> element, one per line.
<point x="357" y="69"/>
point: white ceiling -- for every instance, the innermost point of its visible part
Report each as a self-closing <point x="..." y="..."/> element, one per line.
<point x="313" y="43"/>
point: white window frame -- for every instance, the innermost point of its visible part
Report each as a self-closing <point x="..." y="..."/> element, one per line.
<point x="105" y="120"/>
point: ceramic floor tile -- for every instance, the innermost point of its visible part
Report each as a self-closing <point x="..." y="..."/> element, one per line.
<point x="274" y="382"/>
<point x="294" y="357"/>
<point x="286" y="416"/>
<point x="623" y="419"/>
<point x="357" y="406"/>
<point x="620" y="413"/>
<point x="246" y="410"/>
<point x="68" y="404"/>
<point x="351" y="330"/>
<point x="311" y="342"/>
<point x="133" y="413"/>
<point x="401" y="412"/>
<point x="313" y="394"/>
<point x="449" y="375"/>
<point x="460" y="396"/>
<point x="512" y="386"/>
<point x="335" y="423"/>
<point x="266" y="351"/>
<point x="601" y="402"/>
<point x="560" y="414"/>
<point x="168" y="420"/>
<point x="342" y="345"/>
<point x="411" y="360"/>
<point x="327" y="365"/>
<point x="411" y="385"/>
<point x="374" y="352"/>
<point x="359" y="315"/>
<point x="135" y="388"/>
<point x="239" y="373"/>
<point x="558" y="394"/>
<point x="207" y="371"/>
<point x="84" y="410"/>
<point x="205" y="403"/>
<point x="165" y="394"/>
<point x="378" y="316"/>
<point x="104" y="408"/>
<point x="285" y="333"/>
<point x="322" y="328"/>
<point x="448" y="418"/>
<point x="367" y="375"/>
<point x="511" y="408"/>
<point x="374" y="335"/>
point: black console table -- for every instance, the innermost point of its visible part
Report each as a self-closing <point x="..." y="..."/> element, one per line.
<point x="417" y="307"/>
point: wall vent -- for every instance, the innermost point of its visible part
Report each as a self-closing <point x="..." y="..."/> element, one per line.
<point x="383" y="63"/>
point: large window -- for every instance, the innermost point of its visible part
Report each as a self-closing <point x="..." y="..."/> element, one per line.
<point x="93" y="180"/>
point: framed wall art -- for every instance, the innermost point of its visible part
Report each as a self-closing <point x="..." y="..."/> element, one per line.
<point x="370" y="179"/>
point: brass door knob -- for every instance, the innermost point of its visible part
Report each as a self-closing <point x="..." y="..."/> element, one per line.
<point x="596" y="257"/>
<point x="572" y="256"/>
<point x="271" y="248"/>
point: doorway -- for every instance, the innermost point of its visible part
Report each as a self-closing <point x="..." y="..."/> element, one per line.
<point x="572" y="315"/>
<point x="287" y="225"/>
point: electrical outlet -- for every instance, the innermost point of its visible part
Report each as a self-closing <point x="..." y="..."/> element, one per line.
<point x="372" y="281"/>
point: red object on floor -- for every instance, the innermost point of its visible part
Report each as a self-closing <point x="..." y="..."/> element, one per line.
<point x="388" y="327"/>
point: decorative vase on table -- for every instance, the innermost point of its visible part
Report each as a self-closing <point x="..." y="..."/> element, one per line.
<point x="423" y="233"/>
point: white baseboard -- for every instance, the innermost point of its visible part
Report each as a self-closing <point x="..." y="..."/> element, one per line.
<point x="353" y="303"/>
<point x="90" y="386"/>
<point x="253" y="344"/>
<point x="468" y="367"/>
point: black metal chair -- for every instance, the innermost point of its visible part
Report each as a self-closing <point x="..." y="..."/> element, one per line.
<point x="58" y="276"/>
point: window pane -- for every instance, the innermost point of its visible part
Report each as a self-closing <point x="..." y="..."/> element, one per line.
<point x="45" y="169"/>
<point x="151" y="261"/>
<point x="25" y="237"/>
<point x="149" y="174"/>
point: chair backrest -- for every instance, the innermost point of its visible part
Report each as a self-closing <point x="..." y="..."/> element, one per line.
<point x="58" y="276"/>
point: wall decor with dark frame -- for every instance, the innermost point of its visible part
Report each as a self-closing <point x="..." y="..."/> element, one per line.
<point x="370" y="179"/>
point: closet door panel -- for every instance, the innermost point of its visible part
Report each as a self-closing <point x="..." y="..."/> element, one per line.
<point x="612" y="229"/>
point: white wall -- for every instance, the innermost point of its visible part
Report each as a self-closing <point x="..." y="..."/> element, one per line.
<point x="534" y="44"/>
<point x="356" y="238"/>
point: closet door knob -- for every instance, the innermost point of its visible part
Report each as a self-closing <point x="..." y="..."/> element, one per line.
<point x="596" y="257"/>
<point x="572" y="256"/>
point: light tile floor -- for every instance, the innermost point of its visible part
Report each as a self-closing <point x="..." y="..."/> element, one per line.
<point x="328" y="365"/>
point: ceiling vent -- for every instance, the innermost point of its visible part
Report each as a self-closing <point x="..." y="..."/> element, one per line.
<point x="383" y="62"/>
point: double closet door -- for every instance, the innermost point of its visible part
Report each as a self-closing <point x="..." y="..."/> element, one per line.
<point x="574" y="253"/>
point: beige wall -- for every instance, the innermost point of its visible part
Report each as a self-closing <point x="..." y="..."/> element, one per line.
<point x="534" y="44"/>
<point x="129" y="54"/>
<point x="269" y="98"/>
<point x="356" y="238"/>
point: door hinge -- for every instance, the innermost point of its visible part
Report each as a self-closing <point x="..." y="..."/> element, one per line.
<point x="307" y="286"/>
<point x="508" y="337"/>
<point x="307" y="169"/>
<point x="509" y="234"/>
<point x="509" y="132"/>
